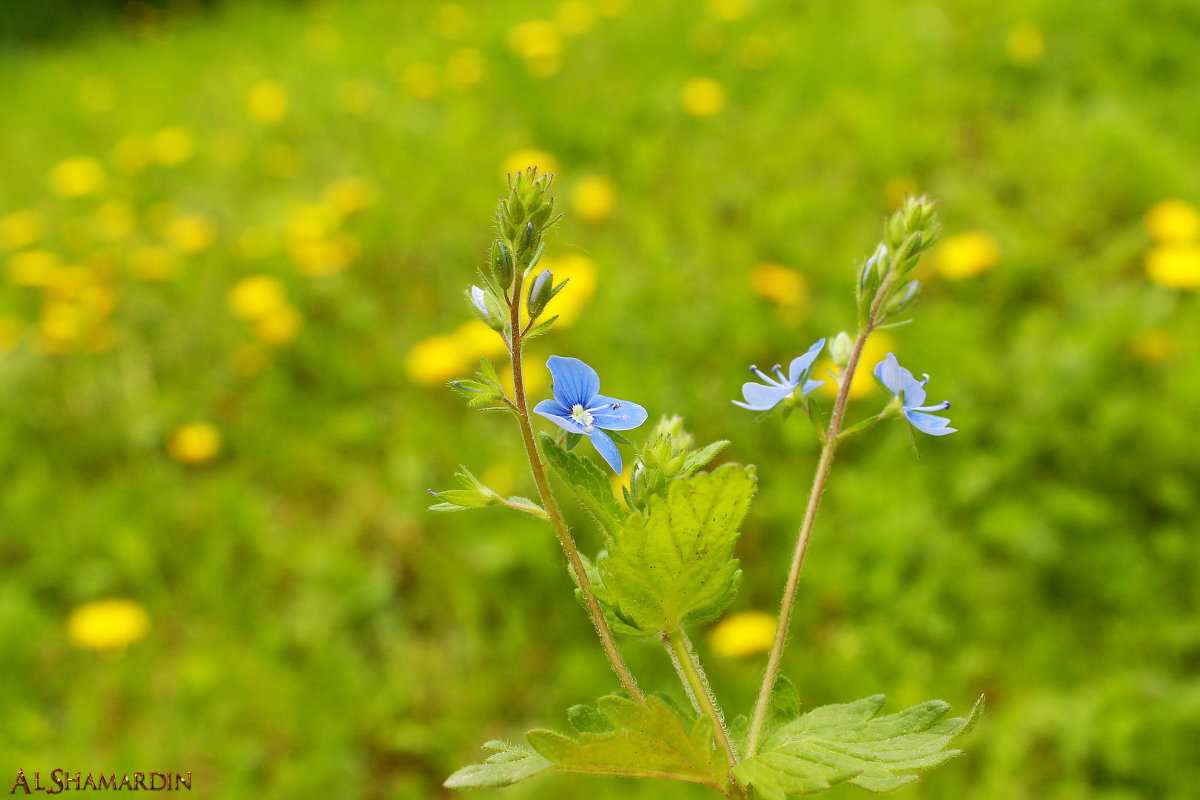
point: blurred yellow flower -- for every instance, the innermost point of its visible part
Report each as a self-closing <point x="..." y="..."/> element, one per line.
<point x="190" y="233"/>
<point x="357" y="97"/>
<point x="520" y="159"/>
<point x="10" y="333"/>
<point x="464" y="68"/>
<point x="77" y="177"/>
<point x="539" y="44"/>
<point x="568" y="303"/>
<point x="574" y="17"/>
<point x="744" y="634"/>
<point x="61" y="324"/>
<point x="172" y="146"/>
<point x="312" y="220"/>
<point x="421" y="81"/>
<point x="619" y="482"/>
<point x="436" y="360"/>
<point x="350" y="195"/>
<point x="728" y="10"/>
<point x="324" y="256"/>
<point x="476" y="339"/>
<point x="966" y="255"/>
<point x="97" y="94"/>
<point x="878" y="345"/>
<point x="1025" y="44"/>
<point x="895" y="190"/>
<point x="267" y="102"/>
<point x="279" y="326"/>
<point x="132" y="153"/>
<point x="593" y="198"/>
<point x="257" y="296"/>
<point x="1175" y="266"/>
<point x="21" y="228"/>
<point x="107" y="625"/>
<point x="451" y="21"/>
<point x="1173" y="221"/>
<point x="194" y="443"/>
<point x="778" y="284"/>
<point x="1154" y="346"/>
<point x="703" y="97"/>
<point x="32" y="267"/>
<point x="114" y="221"/>
<point x="153" y="263"/>
<point x="757" y="51"/>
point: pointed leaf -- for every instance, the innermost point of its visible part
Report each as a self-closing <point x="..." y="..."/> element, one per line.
<point x="623" y="737"/>
<point x="511" y="763"/>
<point x="674" y="566"/>
<point x="847" y="742"/>
<point x="590" y="483"/>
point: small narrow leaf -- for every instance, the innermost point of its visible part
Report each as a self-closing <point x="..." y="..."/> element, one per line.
<point x="848" y="743"/>
<point x="590" y="484"/>
<point x="511" y="763"/>
<point x="674" y="566"/>
<point x="623" y="737"/>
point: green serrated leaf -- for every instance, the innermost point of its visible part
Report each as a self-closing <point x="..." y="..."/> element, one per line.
<point x="590" y="483"/>
<point x="847" y="742"/>
<point x="510" y="763"/>
<point x="641" y="741"/>
<point x="674" y="566"/>
<point x="617" y="624"/>
<point x="572" y="439"/>
<point x="542" y="327"/>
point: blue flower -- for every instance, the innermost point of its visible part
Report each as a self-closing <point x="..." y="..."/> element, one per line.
<point x="768" y="394"/>
<point x="578" y="407"/>
<point x="911" y="393"/>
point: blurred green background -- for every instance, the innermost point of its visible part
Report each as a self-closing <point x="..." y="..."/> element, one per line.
<point x="234" y="240"/>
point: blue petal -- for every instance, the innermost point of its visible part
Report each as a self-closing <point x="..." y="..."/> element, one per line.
<point x="930" y="424"/>
<point x="575" y="383"/>
<point x="891" y="374"/>
<point x="761" y="398"/>
<point x="551" y="410"/>
<point x="912" y="391"/>
<point x="810" y="385"/>
<point x="802" y="364"/>
<point x="625" y="416"/>
<point x="606" y="448"/>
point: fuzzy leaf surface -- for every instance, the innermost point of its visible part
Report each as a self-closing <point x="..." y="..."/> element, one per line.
<point x="509" y="764"/>
<point x="590" y="484"/>
<point x="847" y="742"/>
<point x="674" y="565"/>
<point x="622" y="737"/>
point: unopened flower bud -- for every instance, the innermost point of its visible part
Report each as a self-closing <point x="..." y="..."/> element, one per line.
<point x="540" y="292"/>
<point x="904" y="297"/>
<point x="502" y="264"/>
<point x="486" y="308"/>
<point x="841" y="349"/>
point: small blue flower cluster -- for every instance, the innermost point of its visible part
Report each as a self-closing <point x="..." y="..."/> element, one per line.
<point x="578" y="407"/>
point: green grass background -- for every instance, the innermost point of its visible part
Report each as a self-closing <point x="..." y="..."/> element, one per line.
<point x="316" y="632"/>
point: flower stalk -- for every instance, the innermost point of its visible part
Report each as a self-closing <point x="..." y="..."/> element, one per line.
<point x="554" y="514"/>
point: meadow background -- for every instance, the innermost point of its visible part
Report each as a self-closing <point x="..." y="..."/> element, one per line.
<point x="234" y="239"/>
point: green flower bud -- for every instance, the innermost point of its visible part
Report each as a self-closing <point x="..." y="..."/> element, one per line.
<point x="842" y="348"/>
<point x="502" y="264"/>
<point x="540" y="292"/>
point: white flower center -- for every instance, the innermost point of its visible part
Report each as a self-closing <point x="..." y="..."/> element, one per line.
<point x="582" y="416"/>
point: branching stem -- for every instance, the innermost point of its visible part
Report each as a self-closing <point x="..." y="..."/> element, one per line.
<point x="828" y="448"/>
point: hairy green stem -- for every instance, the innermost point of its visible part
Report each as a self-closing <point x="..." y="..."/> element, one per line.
<point x="824" y="465"/>
<point x="551" y="506"/>
<point x="701" y="693"/>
